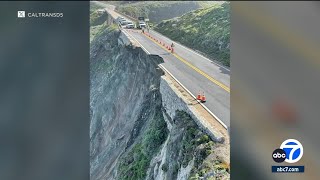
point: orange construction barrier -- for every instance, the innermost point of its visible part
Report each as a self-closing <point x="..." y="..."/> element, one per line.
<point x="199" y="96"/>
<point x="203" y="98"/>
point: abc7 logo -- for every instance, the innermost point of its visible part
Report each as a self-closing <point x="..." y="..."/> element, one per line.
<point x="290" y="151"/>
<point x="279" y="155"/>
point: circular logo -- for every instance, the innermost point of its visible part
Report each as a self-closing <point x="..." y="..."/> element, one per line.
<point x="279" y="155"/>
<point x="293" y="149"/>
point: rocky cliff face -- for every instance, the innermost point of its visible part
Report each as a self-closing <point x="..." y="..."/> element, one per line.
<point x="123" y="98"/>
<point x="131" y="134"/>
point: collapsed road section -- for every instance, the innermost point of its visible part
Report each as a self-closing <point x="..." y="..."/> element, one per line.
<point x="145" y="125"/>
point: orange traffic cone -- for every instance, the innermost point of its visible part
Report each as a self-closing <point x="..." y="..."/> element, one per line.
<point x="203" y="98"/>
<point x="199" y="96"/>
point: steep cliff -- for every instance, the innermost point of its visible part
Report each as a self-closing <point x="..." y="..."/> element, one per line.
<point x="123" y="99"/>
<point x="131" y="134"/>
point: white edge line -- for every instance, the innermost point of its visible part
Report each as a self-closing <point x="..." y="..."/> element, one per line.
<point x="161" y="66"/>
<point x="174" y="41"/>
<point x="128" y="36"/>
<point x="159" y="34"/>
<point x="137" y="41"/>
<point x="204" y="106"/>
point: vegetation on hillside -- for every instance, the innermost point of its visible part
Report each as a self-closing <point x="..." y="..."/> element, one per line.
<point x="206" y="4"/>
<point x="206" y="30"/>
<point x="157" y="10"/>
<point x="94" y="7"/>
<point x="134" y="165"/>
<point x="97" y="20"/>
<point x="193" y="145"/>
<point x="119" y="3"/>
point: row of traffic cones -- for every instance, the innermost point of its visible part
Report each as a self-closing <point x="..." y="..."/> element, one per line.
<point x="201" y="97"/>
<point x="161" y="43"/>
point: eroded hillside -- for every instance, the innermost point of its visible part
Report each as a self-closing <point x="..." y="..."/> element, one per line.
<point x="131" y="134"/>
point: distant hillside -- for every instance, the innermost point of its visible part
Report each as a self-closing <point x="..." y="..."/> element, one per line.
<point x="206" y="30"/>
<point x="96" y="20"/>
<point x="157" y="11"/>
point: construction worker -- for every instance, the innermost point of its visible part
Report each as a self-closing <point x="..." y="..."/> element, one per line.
<point x="172" y="45"/>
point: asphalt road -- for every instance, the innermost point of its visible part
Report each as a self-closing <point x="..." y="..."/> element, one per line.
<point x="191" y="69"/>
<point x="218" y="99"/>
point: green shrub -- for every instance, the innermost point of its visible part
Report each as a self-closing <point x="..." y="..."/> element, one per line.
<point x="203" y="139"/>
<point x="135" y="164"/>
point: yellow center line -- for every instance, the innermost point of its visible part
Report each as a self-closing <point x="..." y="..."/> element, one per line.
<point x="226" y="88"/>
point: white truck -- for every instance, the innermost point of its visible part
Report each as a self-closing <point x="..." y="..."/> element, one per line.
<point x="142" y="25"/>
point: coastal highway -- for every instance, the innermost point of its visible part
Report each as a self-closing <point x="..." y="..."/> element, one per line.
<point x="194" y="71"/>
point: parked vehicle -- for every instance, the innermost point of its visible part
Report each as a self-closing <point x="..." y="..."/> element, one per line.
<point x="120" y="19"/>
<point x="142" y="25"/>
<point x="130" y="25"/>
<point x="124" y="22"/>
